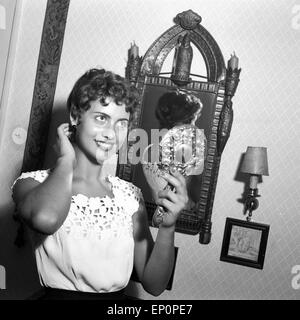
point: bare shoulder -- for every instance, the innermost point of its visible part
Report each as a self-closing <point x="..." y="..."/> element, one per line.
<point x="28" y="181"/>
<point x="22" y="187"/>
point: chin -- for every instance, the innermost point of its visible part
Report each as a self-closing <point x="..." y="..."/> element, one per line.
<point x="102" y="155"/>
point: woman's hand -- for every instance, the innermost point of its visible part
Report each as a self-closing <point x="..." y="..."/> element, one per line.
<point x="173" y="201"/>
<point x="63" y="145"/>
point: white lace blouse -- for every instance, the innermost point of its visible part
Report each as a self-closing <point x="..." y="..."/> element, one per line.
<point x="93" y="250"/>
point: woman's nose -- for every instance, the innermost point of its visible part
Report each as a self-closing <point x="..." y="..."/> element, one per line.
<point x="109" y="134"/>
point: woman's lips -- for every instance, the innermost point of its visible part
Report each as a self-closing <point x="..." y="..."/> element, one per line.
<point x="104" y="145"/>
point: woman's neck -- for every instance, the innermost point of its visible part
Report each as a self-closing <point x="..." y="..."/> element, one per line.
<point x="86" y="168"/>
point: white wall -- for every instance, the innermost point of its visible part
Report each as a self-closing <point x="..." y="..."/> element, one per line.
<point x="266" y="37"/>
<point x="21" y="278"/>
<point x="7" y="10"/>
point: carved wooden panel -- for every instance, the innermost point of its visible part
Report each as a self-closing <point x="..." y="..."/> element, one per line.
<point x="45" y="83"/>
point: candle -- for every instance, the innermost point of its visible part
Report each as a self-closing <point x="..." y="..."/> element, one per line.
<point x="134" y="50"/>
<point x="233" y="63"/>
<point x="253" y="181"/>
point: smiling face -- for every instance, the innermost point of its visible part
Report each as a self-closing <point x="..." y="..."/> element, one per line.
<point x="102" y="130"/>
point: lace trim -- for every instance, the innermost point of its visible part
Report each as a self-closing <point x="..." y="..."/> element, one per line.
<point x="96" y="216"/>
<point x="39" y="175"/>
<point x="119" y="186"/>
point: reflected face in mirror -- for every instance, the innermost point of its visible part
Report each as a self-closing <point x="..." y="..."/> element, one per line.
<point x="178" y="112"/>
<point x="102" y="129"/>
<point x="177" y="108"/>
<point x="182" y="144"/>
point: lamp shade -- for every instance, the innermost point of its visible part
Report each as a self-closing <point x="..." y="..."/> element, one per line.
<point x="255" y="161"/>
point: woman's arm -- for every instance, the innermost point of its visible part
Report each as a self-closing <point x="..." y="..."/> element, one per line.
<point x="45" y="206"/>
<point x="154" y="261"/>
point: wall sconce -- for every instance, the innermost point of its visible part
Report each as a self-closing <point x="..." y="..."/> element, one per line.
<point x="255" y="164"/>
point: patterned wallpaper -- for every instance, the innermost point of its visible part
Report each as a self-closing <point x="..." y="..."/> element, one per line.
<point x="266" y="37"/>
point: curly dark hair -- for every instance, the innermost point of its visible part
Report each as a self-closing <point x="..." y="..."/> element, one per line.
<point x="99" y="84"/>
<point x="176" y="107"/>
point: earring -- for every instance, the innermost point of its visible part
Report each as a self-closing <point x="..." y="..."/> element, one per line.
<point x="73" y="129"/>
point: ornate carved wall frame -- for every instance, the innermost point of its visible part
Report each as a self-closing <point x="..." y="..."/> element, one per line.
<point x="216" y="119"/>
<point x="144" y="73"/>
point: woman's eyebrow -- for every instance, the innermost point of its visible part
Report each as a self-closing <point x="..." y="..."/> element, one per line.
<point x="102" y="113"/>
<point x="108" y="116"/>
<point x="122" y="119"/>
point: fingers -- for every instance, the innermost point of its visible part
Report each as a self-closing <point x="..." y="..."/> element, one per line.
<point x="178" y="175"/>
<point x="177" y="180"/>
<point x="174" y="202"/>
<point x="167" y="204"/>
<point x="168" y="194"/>
<point x="64" y="130"/>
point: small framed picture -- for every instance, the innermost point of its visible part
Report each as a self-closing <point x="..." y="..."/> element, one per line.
<point x="244" y="243"/>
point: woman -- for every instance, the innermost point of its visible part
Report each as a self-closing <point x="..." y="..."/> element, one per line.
<point x="89" y="228"/>
<point x="179" y="108"/>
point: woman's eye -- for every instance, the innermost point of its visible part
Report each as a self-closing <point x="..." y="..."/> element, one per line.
<point x="101" y="118"/>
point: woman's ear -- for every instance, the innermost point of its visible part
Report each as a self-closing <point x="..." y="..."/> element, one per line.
<point x="73" y="121"/>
